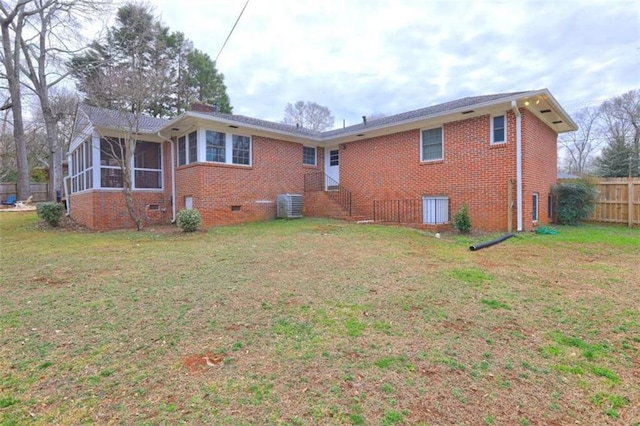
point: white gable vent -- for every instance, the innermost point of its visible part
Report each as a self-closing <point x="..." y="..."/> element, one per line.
<point x="289" y="206"/>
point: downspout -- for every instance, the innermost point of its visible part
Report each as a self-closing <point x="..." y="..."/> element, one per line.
<point x="516" y="111"/>
<point x="65" y="181"/>
<point x="173" y="178"/>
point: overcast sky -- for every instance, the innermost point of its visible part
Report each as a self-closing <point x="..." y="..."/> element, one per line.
<point x="369" y="57"/>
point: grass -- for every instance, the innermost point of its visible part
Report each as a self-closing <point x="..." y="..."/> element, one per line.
<point x="317" y="322"/>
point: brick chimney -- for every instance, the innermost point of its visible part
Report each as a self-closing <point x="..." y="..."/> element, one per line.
<point x="200" y="107"/>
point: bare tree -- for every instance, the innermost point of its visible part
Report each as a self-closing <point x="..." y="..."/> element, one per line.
<point x="12" y="23"/>
<point x="134" y="90"/>
<point x="309" y="115"/>
<point x="582" y="145"/>
<point x="52" y="29"/>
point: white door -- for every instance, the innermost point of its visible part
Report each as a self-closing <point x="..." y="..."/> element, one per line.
<point x="332" y="166"/>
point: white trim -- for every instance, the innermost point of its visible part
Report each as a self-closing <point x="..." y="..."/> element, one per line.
<point x="422" y="160"/>
<point x="492" y="133"/>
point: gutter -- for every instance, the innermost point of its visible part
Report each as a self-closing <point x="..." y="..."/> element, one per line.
<point x="173" y="177"/>
<point x="516" y="111"/>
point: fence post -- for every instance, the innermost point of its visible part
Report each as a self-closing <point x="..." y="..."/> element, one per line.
<point x="630" y="200"/>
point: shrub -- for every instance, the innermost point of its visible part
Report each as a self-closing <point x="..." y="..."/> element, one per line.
<point x="189" y="220"/>
<point x="50" y="212"/>
<point x="462" y="221"/>
<point x="574" y="201"/>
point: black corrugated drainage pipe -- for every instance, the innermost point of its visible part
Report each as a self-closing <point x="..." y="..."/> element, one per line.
<point x="490" y="243"/>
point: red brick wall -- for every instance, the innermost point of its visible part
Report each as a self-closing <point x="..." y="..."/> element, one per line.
<point x="106" y="209"/>
<point x="276" y="169"/>
<point x="472" y="171"/>
<point x="539" y="169"/>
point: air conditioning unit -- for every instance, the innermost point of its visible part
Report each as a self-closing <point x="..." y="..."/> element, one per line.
<point x="289" y="206"/>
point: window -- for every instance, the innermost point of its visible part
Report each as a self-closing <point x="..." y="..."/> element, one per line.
<point x="309" y="155"/>
<point x="534" y="207"/>
<point x="334" y="157"/>
<point x="550" y="206"/>
<point x="147" y="166"/>
<point x="182" y="151"/>
<point x="216" y="146"/>
<point x="82" y="167"/>
<point x="435" y="210"/>
<point x="498" y="129"/>
<point x="432" y="144"/>
<point x="193" y="147"/>
<point x="112" y="152"/>
<point x="241" y="150"/>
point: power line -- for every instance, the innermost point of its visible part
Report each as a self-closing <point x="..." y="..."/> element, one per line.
<point x="231" y="32"/>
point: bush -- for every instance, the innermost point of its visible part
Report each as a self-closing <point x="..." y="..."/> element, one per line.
<point x="189" y="220"/>
<point x="574" y="201"/>
<point x="462" y="221"/>
<point x="50" y="212"/>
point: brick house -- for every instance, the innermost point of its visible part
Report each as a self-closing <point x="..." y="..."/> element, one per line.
<point x="496" y="153"/>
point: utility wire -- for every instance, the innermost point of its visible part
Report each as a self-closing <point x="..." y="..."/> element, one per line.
<point x="231" y="32"/>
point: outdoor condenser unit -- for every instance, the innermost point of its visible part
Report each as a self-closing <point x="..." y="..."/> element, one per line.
<point x="289" y="206"/>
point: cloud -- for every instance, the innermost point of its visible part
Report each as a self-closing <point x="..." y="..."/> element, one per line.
<point x="361" y="57"/>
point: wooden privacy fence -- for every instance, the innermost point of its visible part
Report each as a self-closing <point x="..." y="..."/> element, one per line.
<point x="618" y="201"/>
<point x="39" y="191"/>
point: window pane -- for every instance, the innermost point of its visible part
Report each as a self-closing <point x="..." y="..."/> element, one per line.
<point x="432" y="144"/>
<point x="498" y="129"/>
<point x="334" y="157"/>
<point x="216" y="146"/>
<point x="241" y="150"/>
<point x="147" y="155"/>
<point x="88" y="154"/>
<point x="111" y="150"/>
<point x="110" y="178"/>
<point x="193" y="147"/>
<point x="182" y="151"/>
<point x="148" y="179"/>
<point x="309" y="155"/>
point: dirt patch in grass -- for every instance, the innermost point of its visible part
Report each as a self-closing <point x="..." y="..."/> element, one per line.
<point x="201" y="363"/>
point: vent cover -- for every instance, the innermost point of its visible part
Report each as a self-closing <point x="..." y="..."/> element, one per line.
<point x="289" y="206"/>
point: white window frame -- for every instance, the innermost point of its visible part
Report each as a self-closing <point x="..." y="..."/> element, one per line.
<point x="433" y="214"/>
<point x="535" y="206"/>
<point x="422" y="159"/>
<point x="315" y="155"/>
<point x="159" y="170"/>
<point x="82" y="167"/>
<point x="492" y="126"/>
<point x="228" y="147"/>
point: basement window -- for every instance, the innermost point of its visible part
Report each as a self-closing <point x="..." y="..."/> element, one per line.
<point x="235" y="208"/>
<point x="534" y="206"/>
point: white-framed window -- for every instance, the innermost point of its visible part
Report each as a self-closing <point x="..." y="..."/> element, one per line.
<point x="431" y="144"/>
<point x="216" y="146"/>
<point x="241" y="150"/>
<point x="147" y="165"/>
<point x="435" y="209"/>
<point x="309" y="155"/>
<point x="188" y="148"/>
<point x="534" y="206"/>
<point x="82" y="167"/>
<point x="498" y="129"/>
<point x="112" y="152"/>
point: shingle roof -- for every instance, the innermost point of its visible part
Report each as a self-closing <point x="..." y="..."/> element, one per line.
<point x="116" y="119"/>
<point x="422" y="112"/>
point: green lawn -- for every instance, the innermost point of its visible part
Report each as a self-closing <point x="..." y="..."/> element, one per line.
<point x="317" y="322"/>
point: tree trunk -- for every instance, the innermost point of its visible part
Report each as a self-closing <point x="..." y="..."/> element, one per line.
<point x="11" y="60"/>
<point x="127" y="185"/>
<point x="55" y="153"/>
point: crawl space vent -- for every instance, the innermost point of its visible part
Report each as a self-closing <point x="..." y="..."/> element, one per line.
<point x="289" y="206"/>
